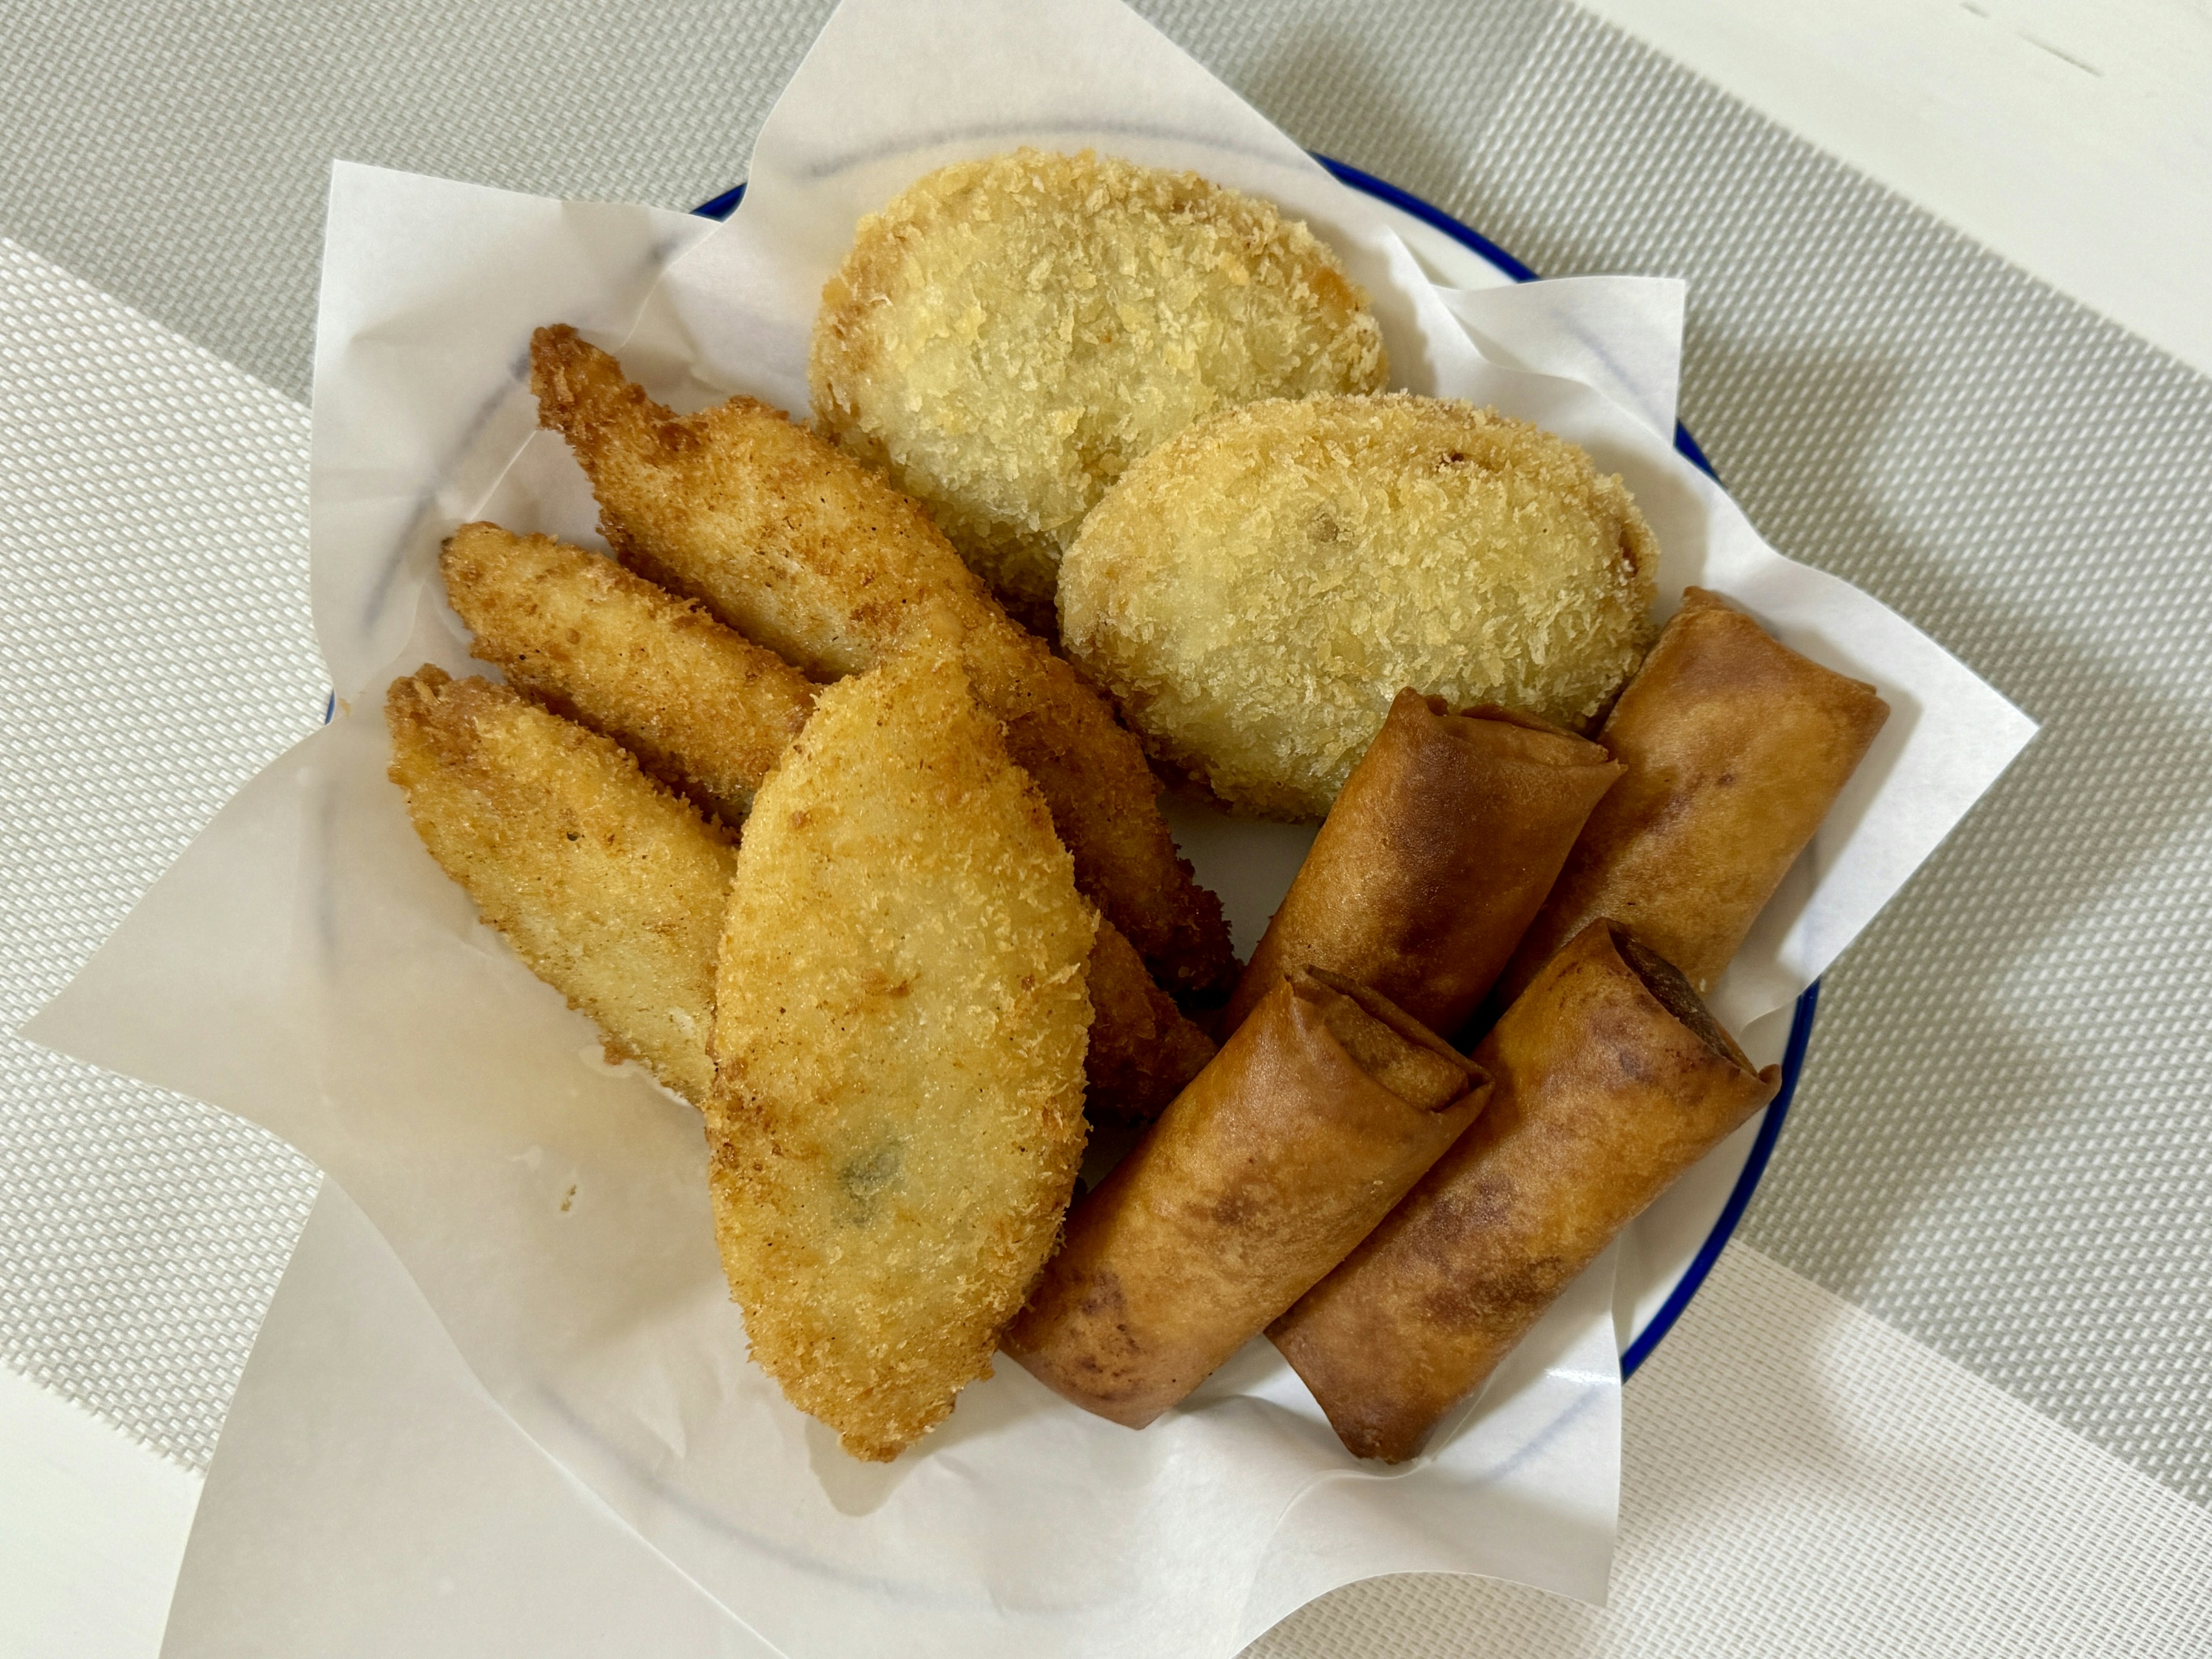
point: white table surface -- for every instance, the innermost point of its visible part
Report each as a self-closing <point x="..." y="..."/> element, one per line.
<point x="2077" y="141"/>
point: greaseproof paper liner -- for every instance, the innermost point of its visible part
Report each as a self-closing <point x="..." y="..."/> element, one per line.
<point x="306" y="965"/>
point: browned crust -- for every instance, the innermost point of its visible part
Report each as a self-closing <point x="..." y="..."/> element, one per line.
<point x="1317" y="1114"/>
<point x="1143" y="1050"/>
<point x="1449" y="834"/>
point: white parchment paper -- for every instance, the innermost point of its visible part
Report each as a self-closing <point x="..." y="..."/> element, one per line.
<point x="306" y="965"/>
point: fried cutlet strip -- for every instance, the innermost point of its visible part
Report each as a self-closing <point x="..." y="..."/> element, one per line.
<point x="1143" y="1050"/>
<point x="611" y="889"/>
<point x="898" y="1118"/>
<point x="706" y="709"/>
<point x="802" y="549"/>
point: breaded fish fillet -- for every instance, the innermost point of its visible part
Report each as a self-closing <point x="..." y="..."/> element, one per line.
<point x="610" y="888"/>
<point x="802" y="549"/>
<point x="1007" y="335"/>
<point x="897" y="1119"/>
<point x="1255" y="591"/>
<point x="703" y="708"/>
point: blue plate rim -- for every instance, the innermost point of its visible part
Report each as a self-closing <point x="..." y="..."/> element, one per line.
<point x="1641" y="1344"/>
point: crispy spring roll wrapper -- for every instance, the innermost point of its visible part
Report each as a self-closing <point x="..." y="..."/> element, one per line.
<point x="1435" y="858"/>
<point x="1611" y="1079"/>
<point x="1736" y="747"/>
<point x="1323" y="1108"/>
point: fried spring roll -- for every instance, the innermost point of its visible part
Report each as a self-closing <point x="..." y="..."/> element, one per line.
<point x="1437" y="855"/>
<point x="1736" y="747"/>
<point x="1322" y="1108"/>
<point x="1611" y="1079"/>
<point x="705" y="708"/>
<point x="610" y="888"/>
<point x="801" y="548"/>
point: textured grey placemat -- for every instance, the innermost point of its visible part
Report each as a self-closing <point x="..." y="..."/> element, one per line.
<point x="154" y="652"/>
<point x="1997" y="1146"/>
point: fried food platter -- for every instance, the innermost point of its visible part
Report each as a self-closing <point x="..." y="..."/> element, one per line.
<point x="1674" y="1244"/>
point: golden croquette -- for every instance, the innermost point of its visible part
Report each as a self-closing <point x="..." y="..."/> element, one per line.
<point x="900" y="1015"/>
<point x="1008" y="336"/>
<point x="1256" y="590"/>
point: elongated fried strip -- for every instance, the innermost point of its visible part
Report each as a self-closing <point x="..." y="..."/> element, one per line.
<point x="802" y="548"/>
<point x="708" y="711"/>
<point x="608" y="886"/>
<point x="705" y="708"/>
<point x="896" y="1121"/>
<point x="1143" y="1051"/>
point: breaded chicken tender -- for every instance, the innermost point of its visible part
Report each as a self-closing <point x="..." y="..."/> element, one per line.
<point x="1008" y="336"/>
<point x="897" y="1119"/>
<point x="801" y="549"/>
<point x="1255" y="591"/>
<point x="610" y="888"/>
<point x="704" y="708"/>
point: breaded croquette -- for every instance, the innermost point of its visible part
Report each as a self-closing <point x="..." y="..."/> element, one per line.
<point x="608" y="886"/>
<point x="898" y="1118"/>
<point x="801" y="549"/>
<point x="1007" y="335"/>
<point x="1255" y="591"/>
<point x="704" y="708"/>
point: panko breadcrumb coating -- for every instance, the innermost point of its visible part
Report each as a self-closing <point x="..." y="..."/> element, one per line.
<point x="801" y="549"/>
<point x="1257" y="590"/>
<point x="608" y="887"/>
<point x="897" y="1119"/>
<point x="708" y="713"/>
<point x="705" y="708"/>
<point x="1008" y="336"/>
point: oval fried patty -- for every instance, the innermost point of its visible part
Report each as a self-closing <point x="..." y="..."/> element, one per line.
<point x="1256" y="590"/>
<point x="901" y="1014"/>
<point x="1007" y="335"/>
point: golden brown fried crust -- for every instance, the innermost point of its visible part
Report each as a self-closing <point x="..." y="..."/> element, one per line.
<point x="1143" y="1051"/>
<point x="803" y="550"/>
<point x="1007" y="335"/>
<point x="705" y="709"/>
<point x="608" y="886"/>
<point x="1256" y="590"/>
<point x="897" y="1120"/>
